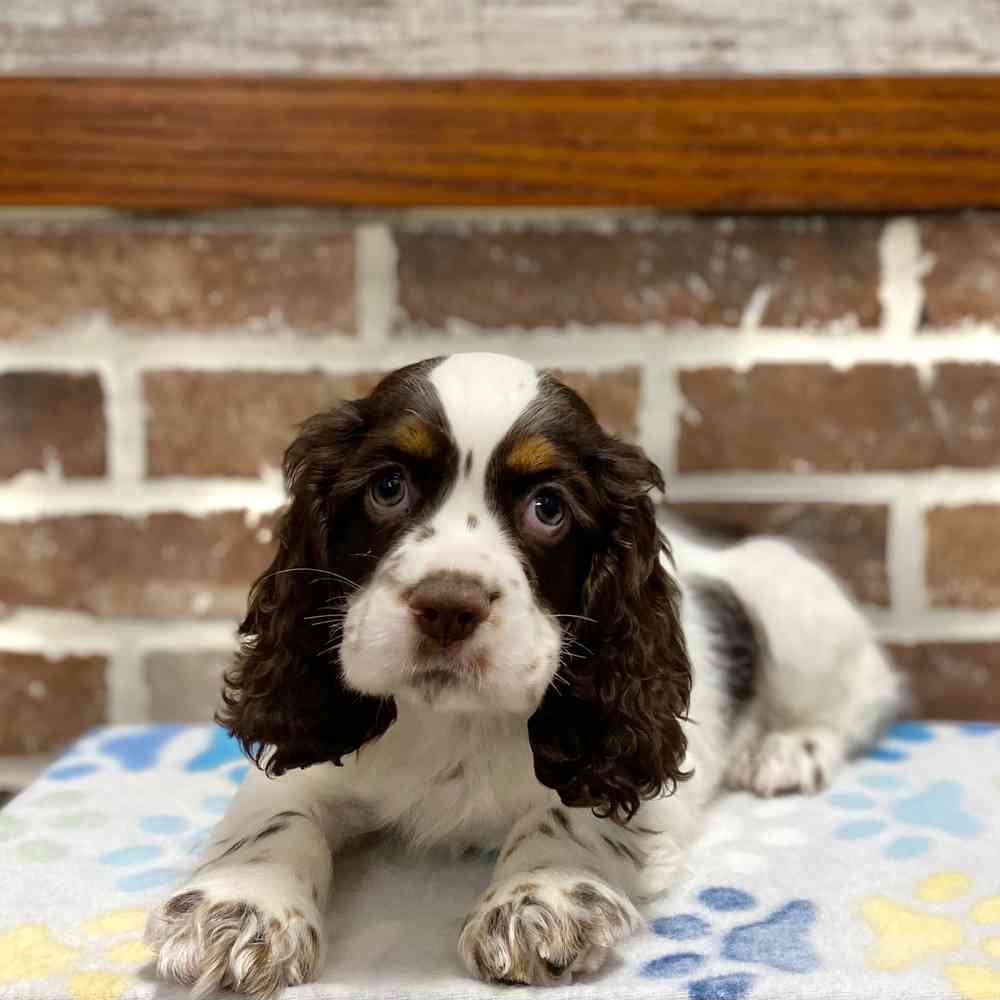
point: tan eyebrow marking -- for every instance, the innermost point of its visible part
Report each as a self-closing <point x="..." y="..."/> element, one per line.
<point x="414" y="437"/>
<point x="532" y="454"/>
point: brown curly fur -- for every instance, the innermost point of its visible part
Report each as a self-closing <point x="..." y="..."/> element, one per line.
<point x="283" y="691"/>
<point x="611" y="735"/>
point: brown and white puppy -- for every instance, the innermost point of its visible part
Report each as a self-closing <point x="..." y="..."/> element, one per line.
<point x="471" y="589"/>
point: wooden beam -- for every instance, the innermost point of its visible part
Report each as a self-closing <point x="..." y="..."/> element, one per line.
<point x="721" y="145"/>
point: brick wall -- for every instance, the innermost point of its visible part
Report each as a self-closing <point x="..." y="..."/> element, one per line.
<point x="836" y="381"/>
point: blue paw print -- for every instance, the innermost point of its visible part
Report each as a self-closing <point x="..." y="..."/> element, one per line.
<point x="779" y="941"/>
<point x="937" y="808"/>
<point x="902" y="732"/>
<point x="979" y="728"/>
<point x="911" y="732"/>
<point x="167" y="835"/>
<point x="141" y="749"/>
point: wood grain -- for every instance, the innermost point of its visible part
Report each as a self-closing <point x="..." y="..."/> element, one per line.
<point x="730" y="145"/>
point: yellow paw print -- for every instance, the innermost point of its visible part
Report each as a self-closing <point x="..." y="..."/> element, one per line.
<point x="99" y="956"/>
<point x="905" y="936"/>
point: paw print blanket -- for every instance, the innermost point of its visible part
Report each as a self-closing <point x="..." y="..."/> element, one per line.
<point x="886" y="887"/>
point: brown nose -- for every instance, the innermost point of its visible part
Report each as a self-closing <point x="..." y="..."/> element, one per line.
<point x="449" y="607"/>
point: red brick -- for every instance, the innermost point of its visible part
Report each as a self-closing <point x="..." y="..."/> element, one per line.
<point x="47" y="703"/>
<point x="612" y="395"/>
<point x="45" y="417"/>
<point x="234" y="423"/>
<point x="808" y="417"/>
<point x="178" y="277"/>
<point x="161" y="565"/>
<point x="966" y="402"/>
<point x="964" y="281"/>
<point x="952" y="680"/>
<point x="185" y="687"/>
<point x="696" y="270"/>
<point x="963" y="568"/>
<point x="851" y="539"/>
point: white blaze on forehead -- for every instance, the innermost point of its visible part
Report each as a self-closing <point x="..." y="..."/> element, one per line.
<point x="482" y="396"/>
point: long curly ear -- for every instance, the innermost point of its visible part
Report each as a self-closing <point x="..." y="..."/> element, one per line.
<point x="608" y="732"/>
<point x="285" y="700"/>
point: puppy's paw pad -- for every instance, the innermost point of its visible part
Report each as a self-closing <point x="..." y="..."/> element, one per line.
<point x="542" y="928"/>
<point x="208" y="943"/>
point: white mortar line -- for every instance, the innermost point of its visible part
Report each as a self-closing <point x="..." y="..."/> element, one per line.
<point x="375" y="283"/>
<point x="906" y="556"/>
<point x="945" y="486"/>
<point x="35" y="495"/>
<point x="595" y="347"/>
<point x="54" y="633"/>
<point x="901" y="292"/>
<point x="125" y="417"/>
<point x="129" y="695"/>
<point x="936" y="625"/>
<point x="660" y="409"/>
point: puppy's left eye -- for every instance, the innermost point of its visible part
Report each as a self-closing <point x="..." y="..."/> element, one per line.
<point x="545" y="516"/>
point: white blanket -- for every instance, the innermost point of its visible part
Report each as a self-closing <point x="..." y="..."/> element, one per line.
<point x="887" y="887"/>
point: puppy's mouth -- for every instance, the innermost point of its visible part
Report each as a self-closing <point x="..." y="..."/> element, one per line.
<point x="451" y="667"/>
<point x="436" y="677"/>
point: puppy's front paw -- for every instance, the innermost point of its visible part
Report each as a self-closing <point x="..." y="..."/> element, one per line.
<point x="540" y="927"/>
<point x="228" y="932"/>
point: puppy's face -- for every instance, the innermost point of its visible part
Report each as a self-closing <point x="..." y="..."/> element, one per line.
<point x="474" y="489"/>
<point x="468" y="538"/>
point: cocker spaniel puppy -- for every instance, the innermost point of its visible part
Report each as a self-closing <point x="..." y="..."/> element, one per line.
<point x="475" y="633"/>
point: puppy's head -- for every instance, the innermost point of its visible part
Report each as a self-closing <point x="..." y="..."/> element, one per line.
<point x="468" y="539"/>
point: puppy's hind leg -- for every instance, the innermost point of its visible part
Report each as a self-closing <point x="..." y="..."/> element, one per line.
<point x="823" y="687"/>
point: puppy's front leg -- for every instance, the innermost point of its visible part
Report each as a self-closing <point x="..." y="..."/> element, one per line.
<point x="249" y="917"/>
<point x="558" y="901"/>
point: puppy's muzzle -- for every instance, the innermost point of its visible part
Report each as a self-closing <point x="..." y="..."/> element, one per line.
<point x="449" y="607"/>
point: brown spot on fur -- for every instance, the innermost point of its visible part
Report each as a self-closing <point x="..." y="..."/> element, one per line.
<point x="467" y="468"/>
<point x="562" y="818"/>
<point x="453" y="775"/>
<point x="810" y="747"/>
<point x="531" y="455"/>
<point x="184" y="903"/>
<point x="514" y="845"/>
<point x="590" y="897"/>
<point x="545" y="829"/>
<point x="423" y="533"/>
<point x="240" y="912"/>
<point x="622" y="850"/>
<point x="527" y="887"/>
<point x="472" y="522"/>
<point x="414" y="437"/>
<point x="586" y="894"/>
<point x="269" y="831"/>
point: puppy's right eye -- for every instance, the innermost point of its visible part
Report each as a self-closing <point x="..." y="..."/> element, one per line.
<point x="389" y="495"/>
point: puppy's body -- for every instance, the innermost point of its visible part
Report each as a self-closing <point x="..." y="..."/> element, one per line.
<point x="745" y="666"/>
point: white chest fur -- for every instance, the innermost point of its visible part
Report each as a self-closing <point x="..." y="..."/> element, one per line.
<point x="454" y="780"/>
